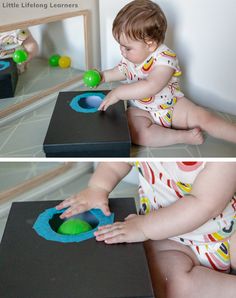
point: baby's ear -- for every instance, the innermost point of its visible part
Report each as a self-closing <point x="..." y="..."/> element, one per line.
<point x="152" y="45"/>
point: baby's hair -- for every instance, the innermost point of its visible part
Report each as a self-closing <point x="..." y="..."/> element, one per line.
<point x="141" y="20"/>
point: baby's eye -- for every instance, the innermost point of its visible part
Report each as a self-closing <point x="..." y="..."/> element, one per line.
<point x="128" y="49"/>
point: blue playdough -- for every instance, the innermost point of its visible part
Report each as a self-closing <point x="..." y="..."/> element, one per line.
<point x="88" y="102"/>
<point x="4" y="64"/>
<point x="43" y="228"/>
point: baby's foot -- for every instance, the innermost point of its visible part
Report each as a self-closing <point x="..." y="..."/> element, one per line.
<point x="194" y="136"/>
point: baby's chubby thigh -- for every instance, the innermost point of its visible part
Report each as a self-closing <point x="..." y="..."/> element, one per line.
<point x="233" y="250"/>
<point x="169" y="262"/>
<point x="185" y="114"/>
<point x="139" y="121"/>
<point x="133" y="112"/>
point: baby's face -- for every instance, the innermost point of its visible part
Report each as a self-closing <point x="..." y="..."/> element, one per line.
<point x="133" y="50"/>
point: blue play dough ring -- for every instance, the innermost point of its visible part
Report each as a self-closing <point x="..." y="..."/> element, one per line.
<point x="4" y="65"/>
<point x="77" y="100"/>
<point x="43" y="228"/>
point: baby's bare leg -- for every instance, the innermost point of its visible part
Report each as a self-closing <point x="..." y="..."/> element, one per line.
<point x="146" y="133"/>
<point x="188" y="115"/>
<point x="176" y="273"/>
<point x="233" y="251"/>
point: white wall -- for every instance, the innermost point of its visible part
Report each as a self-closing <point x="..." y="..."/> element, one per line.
<point x="203" y="35"/>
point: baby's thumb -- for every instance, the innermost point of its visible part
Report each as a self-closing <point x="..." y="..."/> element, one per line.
<point x="105" y="209"/>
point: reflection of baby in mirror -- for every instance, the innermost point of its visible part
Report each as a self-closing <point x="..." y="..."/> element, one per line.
<point x="18" y="39"/>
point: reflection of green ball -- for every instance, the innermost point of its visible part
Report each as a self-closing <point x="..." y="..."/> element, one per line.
<point x="91" y="78"/>
<point x="74" y="226"/>
<point x="54" y="60"/>
<point x="20" y="56"/>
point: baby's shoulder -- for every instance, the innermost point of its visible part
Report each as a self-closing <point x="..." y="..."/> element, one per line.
<point x="22" y="34"/>
<point x="165" y="52"/>
<point x="167" y="57"/>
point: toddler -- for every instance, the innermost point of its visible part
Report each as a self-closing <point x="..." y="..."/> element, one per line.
<point x="18" y="39"/>
<point x="155" y="100"/>
<point x="188" y="216"/>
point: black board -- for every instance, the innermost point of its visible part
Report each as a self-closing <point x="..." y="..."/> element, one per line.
<point x="76" y="134"/>
<point x="32" y="267"/>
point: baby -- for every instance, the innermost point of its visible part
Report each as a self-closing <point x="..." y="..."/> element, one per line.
<point x="155" y="99"/>
<point x="18" y="39"/>
<point x="188" y="216"/>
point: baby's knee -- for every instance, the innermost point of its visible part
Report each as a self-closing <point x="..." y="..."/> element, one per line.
<point x="140" y="137"/>
<point x="138" y="127"/>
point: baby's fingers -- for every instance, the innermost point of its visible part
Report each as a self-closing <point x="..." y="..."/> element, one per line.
<point x="105" y="209"/>
<point x="63" y="205"/>
<point x="109" y="231"/>
<point x="66" y="203"/>
<point x="104" y="105"/>
<point x="73" y="210"/>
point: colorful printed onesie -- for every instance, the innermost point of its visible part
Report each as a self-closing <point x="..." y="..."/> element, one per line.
<point x="163" y="183"/>
<point x="11" y="41"/>
<point x="160" y="105"/>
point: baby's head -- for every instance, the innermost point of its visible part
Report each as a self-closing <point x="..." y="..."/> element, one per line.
<point x="140" y="27"/>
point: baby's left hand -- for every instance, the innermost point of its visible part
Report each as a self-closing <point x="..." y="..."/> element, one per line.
<point x="128" y="231"/>
<point x="109" y="100"/>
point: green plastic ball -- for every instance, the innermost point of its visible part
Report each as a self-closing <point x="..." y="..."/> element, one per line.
<point x="54" y="60"/>
<point x="74" y="226"/>
<point x="91" y="78"/>
<point x="20" y="56"/>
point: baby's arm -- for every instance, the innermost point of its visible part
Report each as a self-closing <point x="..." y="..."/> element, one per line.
<point x="155" y="82"/>
<point x="31" y="46"/>
<point x="211" y="192"/>
<point x="106" y="176"/>
<point x="113" y="75"/>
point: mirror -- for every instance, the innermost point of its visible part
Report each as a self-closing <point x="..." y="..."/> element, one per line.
<point x="65" y="35"/>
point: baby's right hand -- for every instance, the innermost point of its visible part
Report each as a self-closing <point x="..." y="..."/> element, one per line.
<point x="85" y="200"/>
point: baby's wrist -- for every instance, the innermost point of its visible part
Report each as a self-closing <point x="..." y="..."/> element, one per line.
<point x="142" y="226"/>
<point x="98" y="188"/>
<point x="105" y="77"/>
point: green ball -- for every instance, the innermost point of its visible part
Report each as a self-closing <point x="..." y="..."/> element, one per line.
<point x="20" y="56"/>
<point x="54" y="60"/>
<point x="91" y="78"/>
<point x="74" y="226"/>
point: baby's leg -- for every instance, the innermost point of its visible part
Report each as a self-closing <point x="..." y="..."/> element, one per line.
<point x="233" y="251"/>
<point x="188" y="115"/>
<point x="176" y="272"/>
<point x="146" y="133"/>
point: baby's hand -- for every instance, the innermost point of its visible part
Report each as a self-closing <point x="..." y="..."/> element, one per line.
<point x="109" y="100"/>
<point x="85" y="200"/>
<point x="128" y="231"/>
